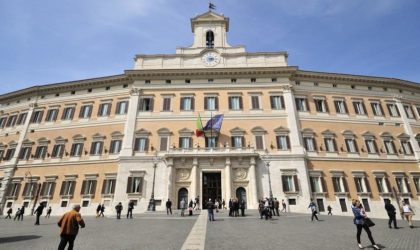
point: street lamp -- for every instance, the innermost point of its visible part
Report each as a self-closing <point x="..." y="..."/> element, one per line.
<point x="152" y="204"/>
<point x="266" y="159"/>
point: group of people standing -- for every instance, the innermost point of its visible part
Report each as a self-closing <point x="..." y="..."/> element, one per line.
<point x="235" y="205"/>
<point x="269" y="207"/>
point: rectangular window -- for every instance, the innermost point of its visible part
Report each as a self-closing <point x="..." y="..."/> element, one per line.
<point x="259" y="142"/>
<point x="68" y="113"/>
<point x="21" y="118"/>
<point x="302" y="104"/>
<point x="377" y="109"/>
<point x="315" y="184"/>
<point x="13" y="190"/>
<point x="163" y="144"/>
<point x="40" y="152"/>
<point x="238" y="141"/>
<point x="67" y="188"/>
<point x="351" y="145"/>
<point x="211" y="142"/>
<point x="365" y="203"/>
<point x="409" y="111"/>
<point x="277" y="102"/>
<point x="283" y="142"/>
<point x="30" y="189"/>
<point x="330" y="145"/>
<point x="122" y="108"/>
<point x="380" y="184"/>
<point x="108" y="186"/>
<point x="337" y="184"/>
<point x="3" y="122"/>
<point x="115" y="146"/>
<point x="37" y="116"/>
<point x="11" y="121"/>
<point x="187" y="103"/>
<point x="166" y="104"/>
<point x="358" y="181"/>
<point x="343" y="205"/>
<point x="185" y="142"/>
<point x="58" y="151"/>
<point x="76" y="149"/>
<point x="416" y="181"/>
<point x="88" y="187"/>
<point x="290" y="183"/>
<point x="371" y="146"/>
<point x="47" y="189"/>
<point x="9" y="154"/>
<point x="85" y="111"/>
<point x="340" y="106"/>
<point x="51" y="115"/>
<point x="104" y="109"/>
<point x="321" y="105"/>
<point x="255" y="102"/>
<point x="146" y="104"/>
<point x="25" y="153"/>
<point x="320" y="203"/>
<point x="211" y="103"/>
<point x="402" y="185"/>
<point x="141" y="144"/>
<point x="235" y="103"/>
<point x="406" y="145"/>
<point x="134" y="185"/>
<point x="393" y="110"/>
<point x="359" y="107"/>
<point x="390" y="147"/>
<point x="96" y="148"/>
<point x="418" y="112"/>
<point x="309" y="144"/>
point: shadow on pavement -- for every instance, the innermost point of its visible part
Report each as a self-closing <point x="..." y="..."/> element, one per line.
<point x="18" y="238"/>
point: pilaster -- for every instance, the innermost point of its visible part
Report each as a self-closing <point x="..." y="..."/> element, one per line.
<point x="130" y="124"/>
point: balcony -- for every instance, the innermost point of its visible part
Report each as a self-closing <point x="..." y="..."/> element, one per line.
<point x="205" y="152"/>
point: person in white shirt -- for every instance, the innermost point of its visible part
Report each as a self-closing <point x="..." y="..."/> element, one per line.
<point x="408" y="213"/>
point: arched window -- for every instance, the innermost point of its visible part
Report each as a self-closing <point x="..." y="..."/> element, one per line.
<point x="209" y="39"/>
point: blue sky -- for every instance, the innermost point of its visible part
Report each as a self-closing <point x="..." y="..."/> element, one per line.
<point x="50" y="41"/>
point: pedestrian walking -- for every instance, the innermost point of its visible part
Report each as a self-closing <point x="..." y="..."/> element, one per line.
<point x="216" y="204"/>
<point x="408" y="213"/>
<point x="22" y="212"/>
<point x="235" y="208"/>
<point x="98" y="210"/>
<point x="359" y="221"/>
<point x="130" y="210"/>
<point x="271" y="203"/>
<point x="191" y="206"/>
<point x="169" y="207"/>
<point x="69" y="227"/>
<point x="210" y="207"/>
<point x="17" y="215"/>
<point x="102" y="211"/>
<point x="329" y="208"/>
<point x="242" y="206"/>
<point x="276" y="206"/>
<point x="38" y="213"/>
<point x="267" y="209"/>
<point x="314" y="211"/>
<point x="9" y="212"/>
<point x="48" y="213"/>
<point x="224" y="204"/>
<point x="230" y="207"/>
<point x="283" y="204"/>
<point x="391" y="211"/>
<point x="119" y="208"/>
<point x="261" y="208"/>
<point x="182" y="206"/>
<point x="197" y="202"/>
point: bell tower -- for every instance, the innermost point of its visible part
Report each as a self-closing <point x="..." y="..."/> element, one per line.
<point x="210" y="30"/>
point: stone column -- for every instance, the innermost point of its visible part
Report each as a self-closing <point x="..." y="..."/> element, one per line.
<point x="252" y="173"/>
<point x="170" y="175"/>
<point x="9" y="169"/>
<point x="194" y="179"/>
<point x="228" y="181"/>
<point x="130" y="123"/>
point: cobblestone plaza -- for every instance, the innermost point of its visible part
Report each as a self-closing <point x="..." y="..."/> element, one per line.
<point x="159" y="231"/>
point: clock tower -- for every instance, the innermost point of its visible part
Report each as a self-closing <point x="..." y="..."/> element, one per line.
<point x="210" y="30"/>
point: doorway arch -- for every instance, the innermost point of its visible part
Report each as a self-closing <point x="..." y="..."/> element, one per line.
<point x="182" y="194"/>
<point x="241" y="194"/>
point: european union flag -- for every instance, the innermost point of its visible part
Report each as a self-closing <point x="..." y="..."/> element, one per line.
<point x="214" y="123"/>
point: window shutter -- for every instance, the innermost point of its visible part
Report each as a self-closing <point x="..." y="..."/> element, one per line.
<point x="146" y="147"/>
<point x="101" y="146"/>
<point x="63" y="185"/>
<point x="109" y="109"/>
<point x="272" y="102"/>
<point x="26" y="189"/>
<point x="113" y="186"/>
<point x="93" y="190"/>
<point x="232" y="141"/>
<point x="335" y="145"/>
<point x="283" y="106"/>
<point x="73" y="149"/>
<point x="136" y="144"/>
<point x="243" y="142"/>
<point x="364" y="108"/>
<point x="101" y="107"/>
<point x="82" y="110"/>
<point x="181" y="103"/>
<point x="288" y="142"/>
<point x="307" y="105"/>
<point x="180" y="142"/>
<point x="126" y="107"/>
<point x="92" y="148"/>
<point x="230" y="102"/>
<point x="382" y="110"/>
<point x="337" y="110"/>
<point x="326" y="106"/>
<point x="73" y="186"/>
<point x="375" y="146"/>
<point x="394" y="148"/>
<point x="141" y="104"/>
<point x="355" y="146"/>
<point x="398" y="110"/>
<point x="82" y="191"/>
<point x="355" y="108"/>
<point x="103" y="186"/>
<point x="163" y="144"/>
<point x="192" y="103"/>
<point x="241" y="105"/>
<point x="43" y="188"/>
<point x="216" y="102"/>
<point x="129" y="184"/>
<point x="141" y="185"/>
<point x="111" y="147"/>
<point x="296" y="182"/>
<point x="52" y="189"/>
<point x="278" y="142"/>
<point x="259" y="142"/>
<point x="117" y="109"/>
<point x="284" y="183"/>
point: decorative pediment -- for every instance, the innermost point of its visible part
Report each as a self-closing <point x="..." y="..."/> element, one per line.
<point x="368" y="135"/>
<point x="43" y="140"/>
<point x="164" y="132"/>
<point x="60" y="140"/>
<point x="403" y="136"/>
<point x="328" y="133"/>
<point x="79" y="138"/>
<point x="386" y="135"/>
<point x="185" y="132"/>
<point x="237" y="131"/>
<point x="281" y="130"/>
<point x="2" y="146"/>
<point x="258" y="130"/>
<point x="12" y="144"/>
<point x="209" y="16"/>
<point x="98" y="137"/>
<point x="348" y="134"/>
<point x="27" y="143"/>
<point x="308" y="132"/>
<point x="116" y="135"/>
<point x="142" y="132"/>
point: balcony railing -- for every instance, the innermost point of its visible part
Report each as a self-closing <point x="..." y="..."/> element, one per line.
<point x="249" y="151"/>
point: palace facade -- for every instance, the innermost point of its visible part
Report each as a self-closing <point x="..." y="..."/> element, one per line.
<point x="297" y="134"/>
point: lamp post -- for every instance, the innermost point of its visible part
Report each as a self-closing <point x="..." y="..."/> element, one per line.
<point x="266" y="159"/>
<point x="152" y="205"/>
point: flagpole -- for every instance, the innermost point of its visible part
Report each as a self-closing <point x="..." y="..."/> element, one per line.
<point x="211" y="125"/>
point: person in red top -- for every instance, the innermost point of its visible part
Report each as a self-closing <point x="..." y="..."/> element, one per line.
<point x="69" y="227"/>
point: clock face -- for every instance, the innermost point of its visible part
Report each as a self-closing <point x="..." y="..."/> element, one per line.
<point x="210" y="59"/>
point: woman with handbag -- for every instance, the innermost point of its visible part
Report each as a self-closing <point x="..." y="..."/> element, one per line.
<point x="408" y="213"/>
<point x="359" y="220"/>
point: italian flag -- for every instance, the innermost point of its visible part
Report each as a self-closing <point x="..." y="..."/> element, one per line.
<point x="199" y="131"/>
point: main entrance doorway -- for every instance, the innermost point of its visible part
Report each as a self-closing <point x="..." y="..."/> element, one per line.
<point x="212" y="187"/>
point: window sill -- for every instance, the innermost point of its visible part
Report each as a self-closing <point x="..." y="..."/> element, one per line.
<point x="46" y="196"/>
<point x="291" y="192"/>
<point x="108" y="195"/>
<point x="405" y="194"/>
<point x="67" y="196"/>
<point x="133" y="195"/>
<point x="364" y="193"/>
<point x="88" y="196"/>
<point x="341" y="193"/>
